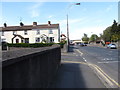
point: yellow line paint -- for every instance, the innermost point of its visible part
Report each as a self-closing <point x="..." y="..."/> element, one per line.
<point x="107" y="78"/>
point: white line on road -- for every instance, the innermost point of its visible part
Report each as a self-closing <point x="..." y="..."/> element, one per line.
<point x="85" y="60"/>
<point x="79" y="52"/>
<point x="109" y="62"/>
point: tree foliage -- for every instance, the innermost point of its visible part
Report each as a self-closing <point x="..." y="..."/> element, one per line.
<point x="94" y="37"/>
<point x="112" y="33"/>
<point x="85" y="38"/>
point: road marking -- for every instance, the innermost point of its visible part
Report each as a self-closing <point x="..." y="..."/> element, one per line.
<point x="108" y="59"/>
<point x="106" y="79"/>
<point x="79" y="52"/>
<point x="108" y="76"/>
<point x="85" y="60"/>
<point x="98" y="69"/>
<point x="68" y="54"/>
<point x="109" y="62"/>
<point x="73" y="62"/>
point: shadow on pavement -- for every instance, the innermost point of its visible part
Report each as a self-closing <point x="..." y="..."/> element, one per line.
<point x="71" y="49"/>
<point x="69" y="76"/>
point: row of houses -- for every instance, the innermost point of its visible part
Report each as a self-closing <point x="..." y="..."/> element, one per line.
<point x="31" y="33"/>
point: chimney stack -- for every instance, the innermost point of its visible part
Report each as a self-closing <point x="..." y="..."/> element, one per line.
<point x="49" y="23"/>
<point x="21" y="24"/>
<point x="34" y="23"/>
<point x="5" y="25"/>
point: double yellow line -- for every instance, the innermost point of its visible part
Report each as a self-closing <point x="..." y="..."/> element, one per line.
<point x="108" y="77"/>
<point x="99" y="70"/>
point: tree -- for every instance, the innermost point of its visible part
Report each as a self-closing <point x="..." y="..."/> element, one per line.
<point x="112" y="33"/>
<point x="85" y="38"/>
<point x="93" y="38"/>
<point x="107" y="34"/>
<point x="114" y="27"/>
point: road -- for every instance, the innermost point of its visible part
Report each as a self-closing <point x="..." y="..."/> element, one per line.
<point x="88" y="67"/>
<point x="106" y="59"/>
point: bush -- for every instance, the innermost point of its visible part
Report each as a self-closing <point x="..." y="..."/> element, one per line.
<point x="61" y="44"/>
<point x="34" y="45"/>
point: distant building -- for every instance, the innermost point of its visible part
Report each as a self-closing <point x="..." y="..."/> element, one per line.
<point x="31" y="33"/>
<point x="76" y="42"/>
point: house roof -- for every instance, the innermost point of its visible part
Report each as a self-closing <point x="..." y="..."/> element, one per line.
<point x="28" y="27"/>
<point x="63" y="35"/>
<point x="19" y="36"/>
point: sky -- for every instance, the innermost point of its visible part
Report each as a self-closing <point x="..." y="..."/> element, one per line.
<point x="88" y="17"/>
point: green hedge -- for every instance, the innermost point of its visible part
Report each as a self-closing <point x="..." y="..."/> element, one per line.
<point x="61" y="44"/>
<point x="34" y="45"/>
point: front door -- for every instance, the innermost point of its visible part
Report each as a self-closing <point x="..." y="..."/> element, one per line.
<point x="17" y="40"/>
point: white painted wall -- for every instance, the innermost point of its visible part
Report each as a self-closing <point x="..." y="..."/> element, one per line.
<point x="32" y="34"/>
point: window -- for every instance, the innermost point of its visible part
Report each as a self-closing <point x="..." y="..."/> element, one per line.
<point x="25" y="32"/>
<point x="37" y="39"/>
<point x="51" y="39"/>
<point x="2" y="33"/>
<point x="26" y="40"/>
<point x="3" y="40"/>
<point x="38" y="32"/>
<point x="14" y="32"/>
<point x="50" y="31"/>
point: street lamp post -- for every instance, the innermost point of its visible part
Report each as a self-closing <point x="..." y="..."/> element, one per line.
<point x="68" y="29"/>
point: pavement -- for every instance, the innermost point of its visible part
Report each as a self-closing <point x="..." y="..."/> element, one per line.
<point x="74" y="72"/>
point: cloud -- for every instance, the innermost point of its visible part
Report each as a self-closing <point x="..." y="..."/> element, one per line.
<point x="34" y="10"/>
<point x="109" y="8"/>
<point x="50" y="16"/>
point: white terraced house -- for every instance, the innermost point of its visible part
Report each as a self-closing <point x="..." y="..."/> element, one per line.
<point x="31" y="33"/>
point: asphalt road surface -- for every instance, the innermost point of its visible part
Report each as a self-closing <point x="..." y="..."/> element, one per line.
<point x="106" y="59"/>
<point x="88" y="67"/>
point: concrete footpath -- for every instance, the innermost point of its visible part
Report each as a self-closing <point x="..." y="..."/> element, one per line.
<point x="75" y="73"/>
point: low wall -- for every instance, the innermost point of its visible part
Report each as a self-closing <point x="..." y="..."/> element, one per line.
<point x="30" y="68"/>
<point x="64" y="49"/>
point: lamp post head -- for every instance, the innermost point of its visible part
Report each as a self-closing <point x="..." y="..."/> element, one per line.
<point x="77" y="3"/>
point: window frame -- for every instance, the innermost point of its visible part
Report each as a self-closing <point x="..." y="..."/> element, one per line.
<point x="3" y="33"/>
<point x="37" y="40"/>
<point x="14" y="32"/>
<point x="38" y="32"/>
<point x="25" y="32"/>
<point x="50" y="31"/>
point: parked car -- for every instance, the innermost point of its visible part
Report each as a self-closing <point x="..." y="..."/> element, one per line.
<point x="83" y="44"/>
<point x="111" y="46"/>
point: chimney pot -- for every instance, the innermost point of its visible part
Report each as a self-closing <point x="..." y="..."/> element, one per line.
<point x="21" y="24"/>
<point x="49" y="23"/>
<point x="5" y="25"/>
<point x="34" y="23"/>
